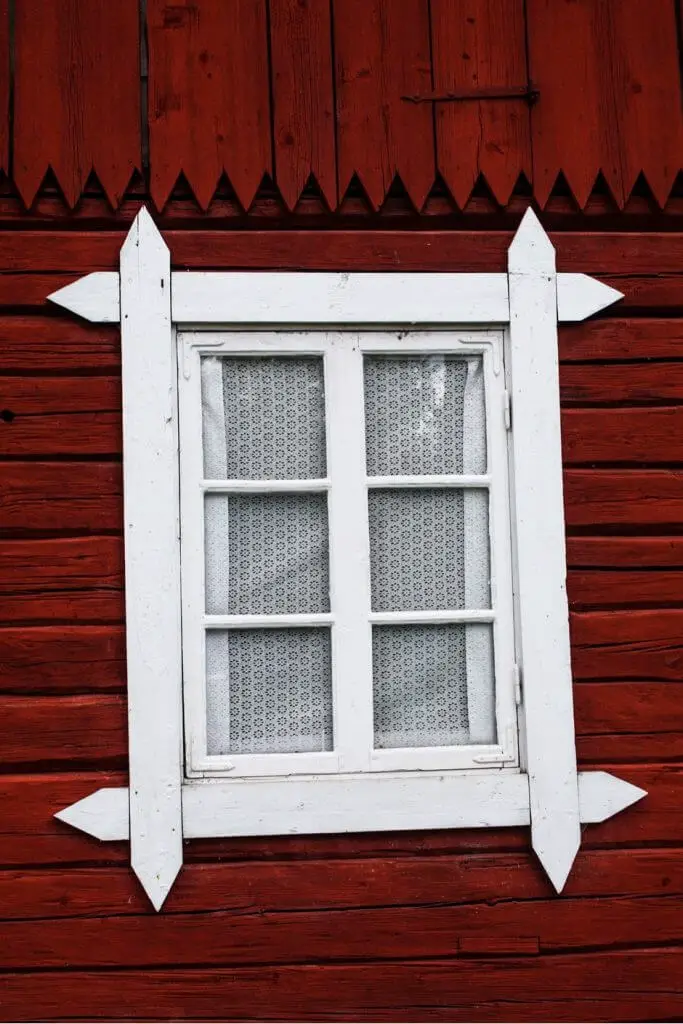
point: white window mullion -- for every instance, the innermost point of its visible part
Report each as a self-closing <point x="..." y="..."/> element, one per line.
<point x="349" y="553"/>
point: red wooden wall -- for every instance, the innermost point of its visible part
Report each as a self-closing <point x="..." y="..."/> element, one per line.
<point x="220" y="93"/>
<point x="432" y="926"/>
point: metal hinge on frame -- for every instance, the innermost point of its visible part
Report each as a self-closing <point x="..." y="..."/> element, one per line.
<point x="507" y="410"/>
<point x="528" y="93"/>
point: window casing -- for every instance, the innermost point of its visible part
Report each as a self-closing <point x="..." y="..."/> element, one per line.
<point x="372" y="629"/>
<point x="219" y="789"/>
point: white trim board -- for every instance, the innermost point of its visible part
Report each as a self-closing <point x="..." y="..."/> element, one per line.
<point x="160" y="808"/>
<point x="328" y="299"/>
<point x="261" y="807"/>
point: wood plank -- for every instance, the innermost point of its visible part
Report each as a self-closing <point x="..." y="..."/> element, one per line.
<point x="480" y="45"/>
<point x="629" y="383"/>
<point x="634" y="748"/>
<point x="600" y="588"/>
<point x="627" y="253"/>
<point x="61" y="415"/>
<point x="626" y="552"/>
<point x="58" y="343"/>
<point x="80" y="730"/>
<point x="235" y="937"/>
<point x="628" y="436"/>
<point x="629" y="645"/>
<point x="209" y="101"/>
<point x="628" y="707"/>
<point x="607" y="339"/>
<point x="333" y="885"/>
<point x="622" y="62"/>
<point x="76" y="579"/>
<point x="382" y="53"/>
<point x="30" y="291"/>
<point x="92" y="121"/>
<point x="39" y="496"/>
<point x="626" y="985"/>
<point x="303" y="98"/>
<point x="624" y="499"/>
<point x="62" y="659"/>
<point x="4" y="84"/>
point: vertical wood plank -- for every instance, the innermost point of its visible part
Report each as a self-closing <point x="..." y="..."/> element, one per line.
<point x="541" y="565"/>
<point x="609" y="95"/>
<point x="152" y="559"/>
<point x="303" y="97"/>
<point x="480" y="44"/>
<point x="4" y="85"/>
<point x="382" y="54"/>
<point x="209" y="105"/>
<point x="76" y="95"/>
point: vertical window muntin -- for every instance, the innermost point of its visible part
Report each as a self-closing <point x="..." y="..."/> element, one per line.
<point x="358" y="756"/>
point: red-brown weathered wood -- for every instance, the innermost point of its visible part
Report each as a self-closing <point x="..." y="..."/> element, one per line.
<point x="626" y="552"/>
<point x="623" y="498"/>
<point x="62" y="659"/>
<point x="4" y="84"/>
<point x="58" y="343"/>
<point x="600" y="588"/>
<point x="76" y="95"/>
<point x="310" y="884"/>
<point x="626" y="985"/>
<point x="613" y="253"/>
<point x="83" y="730"/>
<point x="38" y="496"/>
<point x="628" y="645"/>
<point x="60" y="415"/>
<point x="628" y="707"/>
<point x="382" y="53"/>
<point x="66" y="579"/>
<point x="480" y="45"/>
<point x="605" y="95"/>
<point x="229" y="937"/>
<point x="303" y="98"/>
<point x="628" y="384"/>
<point x="627" y="436"/>
<point x="208" y="96"/>
<point x="607" y="339"/>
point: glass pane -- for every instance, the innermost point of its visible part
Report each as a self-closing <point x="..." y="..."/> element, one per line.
<point x="424" y="414"/>
<point x="429" y="549"/>
<point x="433" y="685"/>
<point x="269" y="691"/>
<point x="263" y="418"/>
<point x="266" y="554"/>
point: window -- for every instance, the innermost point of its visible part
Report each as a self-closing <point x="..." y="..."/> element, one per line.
<point x="345" y="560"/>
<point x="346" y="566"/>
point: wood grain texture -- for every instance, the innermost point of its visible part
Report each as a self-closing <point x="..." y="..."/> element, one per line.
<point x="42" y="496"/>
<point x="91" y="121"/>
<point x="209" y="104"/>
<point x="303" y="98"/>
<point x="4" y="84"/>
<point x="480" y="45"/>
<point x="627" y="435"/>
<point x="628" y="985"/>
<point x="382" y="53"/>
<point x="67" y="580"/>
<point x="628" y="645"/>
<point x="62" y="659"/>
<point x="51" y="344"/>
<point x="606" y="94"/>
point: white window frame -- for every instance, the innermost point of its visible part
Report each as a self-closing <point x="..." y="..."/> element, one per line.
<point x="162" y="805"/>
<point x="346" y="486"/>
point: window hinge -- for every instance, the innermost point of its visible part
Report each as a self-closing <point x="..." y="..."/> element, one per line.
<point x="517" y="683"/>
<point x="507" y="410"/>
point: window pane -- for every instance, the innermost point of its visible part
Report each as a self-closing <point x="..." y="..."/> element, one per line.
<point x="429" y="549"/>
<point x="268" y="691"/>
<point x="424" y="414"/>
<point x="266" y="554"/>
<point x="263" y="418"/>
<point x="433" y="685"/>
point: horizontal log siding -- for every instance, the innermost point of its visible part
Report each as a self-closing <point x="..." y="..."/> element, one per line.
<point x="434" y="925"/>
